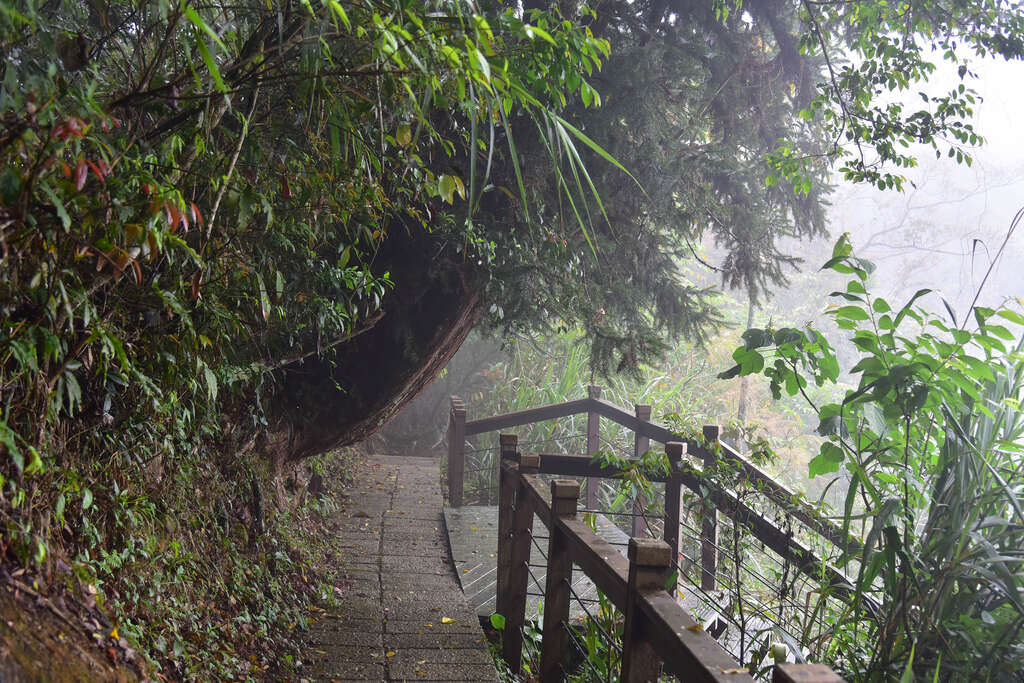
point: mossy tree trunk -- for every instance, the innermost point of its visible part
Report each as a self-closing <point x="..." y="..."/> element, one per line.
<point x="342" y="397"/>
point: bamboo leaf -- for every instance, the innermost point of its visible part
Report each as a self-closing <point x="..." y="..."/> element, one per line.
<point x="197" y="21"/>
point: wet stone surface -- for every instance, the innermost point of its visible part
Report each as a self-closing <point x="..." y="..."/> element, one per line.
<point x="402" y="615"/>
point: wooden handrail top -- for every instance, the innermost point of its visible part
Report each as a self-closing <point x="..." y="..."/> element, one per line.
<point x="687" y="651"/>
<point x="529" y="416"/>
<point x="578" y="465"/>
<point x="776" y="491"/>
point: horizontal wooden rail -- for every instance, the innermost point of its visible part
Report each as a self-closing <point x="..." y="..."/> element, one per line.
<point x="657" y="632"/>
<point x="525" y="417"/>
<point x="778" y="493"/>
<point x="724" y="500"/>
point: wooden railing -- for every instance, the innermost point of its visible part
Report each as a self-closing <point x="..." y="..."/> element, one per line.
<point x="658" y="634"/>
<point x="706" y="452"/>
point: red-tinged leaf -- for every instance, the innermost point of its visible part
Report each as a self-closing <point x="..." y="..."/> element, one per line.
<point x="172" y="217"/>
<point x="138" y="271"/>
<point x="197" y="280"/>
<point x="104" y="167"/>
<point x="196" y="216"/>
<point x="66" y="170"/>
<point x="286" y="190"/>
<point x="154" y="246"/>
<point x="74" y="126"/>
<point x="146" y="188"/>
<point x="122" y="261"/>
<point x="81" y="173"/>
<point x="96" y="170"/>
<point x="184" y="221"/>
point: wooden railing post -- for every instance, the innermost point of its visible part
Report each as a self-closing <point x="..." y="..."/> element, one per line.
<point x="565" y="494"/>
<point x="709" y="526"/>
<point x="650" y="563"/>
<point x="456" y="451"/>
<point x="593" y="445"/>
<point x="673" y="499"/>
<point x="509" y="446"/>
<point x="515" y="519"/>
<point x="641" y="444"/>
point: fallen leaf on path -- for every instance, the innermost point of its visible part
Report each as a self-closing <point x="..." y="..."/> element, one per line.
<point x="740" y="670"/>
<point x="447" y="620"/>
<point x="390" y="653"/>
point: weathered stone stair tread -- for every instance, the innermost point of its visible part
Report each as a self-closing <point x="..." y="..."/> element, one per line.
<point x="403" y="615"/>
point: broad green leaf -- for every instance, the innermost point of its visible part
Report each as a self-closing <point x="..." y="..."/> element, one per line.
<point x="9" y="439"/>
<point x="827" y="461"/>
<point x="448" y="185"/>
<point x="404" y="135"/>
<point x="534" y="31"/>
<point x="851" y="313"/>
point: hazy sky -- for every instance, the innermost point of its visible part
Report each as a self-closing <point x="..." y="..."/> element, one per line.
<point x="941" y="233"/>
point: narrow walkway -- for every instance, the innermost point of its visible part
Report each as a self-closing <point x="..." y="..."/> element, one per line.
<point x="403" y="616"/>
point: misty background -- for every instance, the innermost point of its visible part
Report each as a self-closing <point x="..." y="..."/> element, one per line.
<point x="942" y="233"/>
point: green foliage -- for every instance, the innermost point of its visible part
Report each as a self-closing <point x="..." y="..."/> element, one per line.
<point x="194" y="197"/>
<point x="876" y="105"/>
<point x="930" y="444"/>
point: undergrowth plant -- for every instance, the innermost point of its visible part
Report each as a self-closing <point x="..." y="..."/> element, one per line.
<point x="930" y="448"/>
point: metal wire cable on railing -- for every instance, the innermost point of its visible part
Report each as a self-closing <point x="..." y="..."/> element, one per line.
<point x="725" y="551"/>
<point x="480" y="449"/>
<point x="776" y="587"/>
<point x="766" y="581"/>
<point x="763" y="613"/>
<point x="471" y="470"/>
<point x="536" y="582"/>
<point x="583" y="649"/>
<point x="608" y="637"/>
<point x="534" y="442"/>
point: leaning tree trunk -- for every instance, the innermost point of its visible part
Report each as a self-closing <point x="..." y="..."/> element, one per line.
<point x="344" y="396"/>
